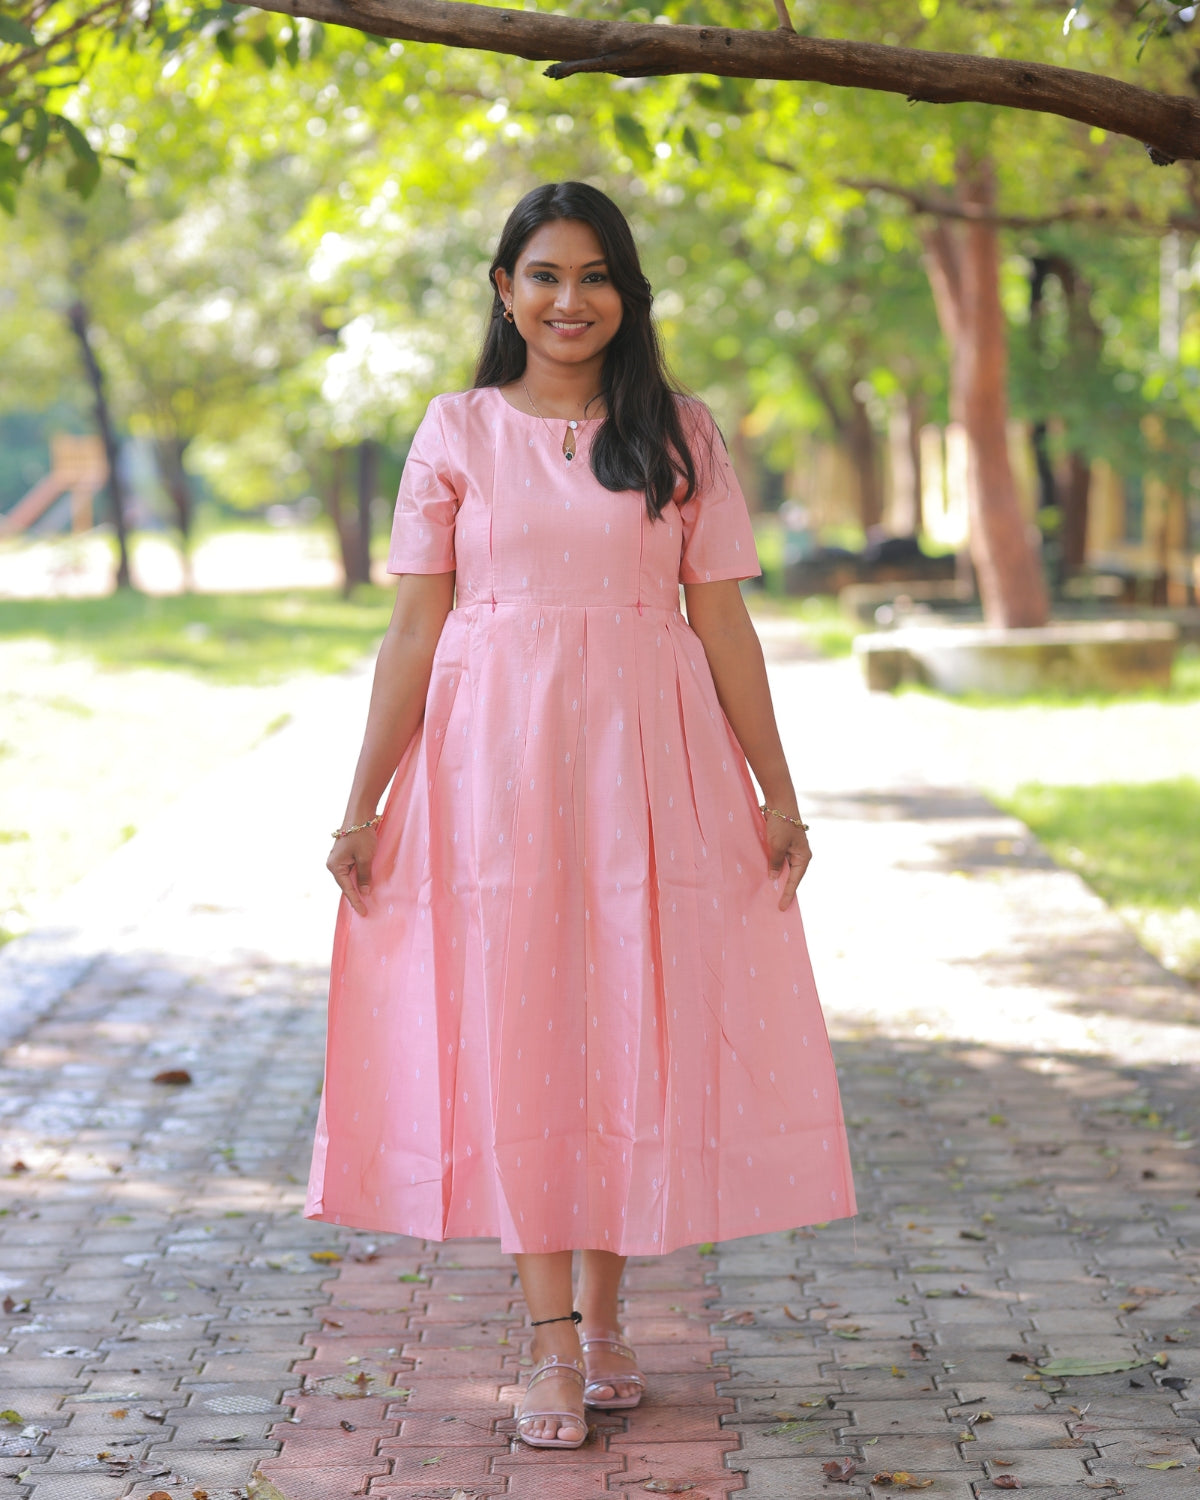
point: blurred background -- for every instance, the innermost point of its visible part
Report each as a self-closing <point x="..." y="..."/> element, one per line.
<point x="262" y="248"/>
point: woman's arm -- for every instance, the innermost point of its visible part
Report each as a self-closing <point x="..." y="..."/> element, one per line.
<point x="717" y="613"/>
<point x="402" y="671"/>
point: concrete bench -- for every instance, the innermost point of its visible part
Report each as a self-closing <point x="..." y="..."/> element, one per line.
<point x="1083" y="656"/>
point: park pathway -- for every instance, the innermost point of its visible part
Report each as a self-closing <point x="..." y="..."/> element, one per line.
<point x="1020" y="1084"/>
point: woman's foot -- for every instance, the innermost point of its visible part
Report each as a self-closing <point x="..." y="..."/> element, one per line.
<point x="552" y="1413"/>
<point x="611" y="1372"/>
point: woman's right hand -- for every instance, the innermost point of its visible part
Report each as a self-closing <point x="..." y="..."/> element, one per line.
<point x="349" y="863"/>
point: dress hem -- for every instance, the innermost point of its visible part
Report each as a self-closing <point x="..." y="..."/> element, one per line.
<point x="760" y="1227"/>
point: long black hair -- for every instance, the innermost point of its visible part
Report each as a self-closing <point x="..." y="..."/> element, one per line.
<point x="641" y="444"/>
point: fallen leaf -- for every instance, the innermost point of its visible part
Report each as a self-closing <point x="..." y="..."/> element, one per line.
<point x="175" y="1076"/>
<point x="259" y="1487"/>
<point x="669" y="1486"/>
<point x="324" y="1256"/>
<point x="154" y="1416"/>
<point x="788" y="1313"/>
<point x="347" y="1426"/>
<point x="1167" y="1463"/>
<point x="1176" y="1382"/>
<point x="1130" y="1306"/>
<point x="412" y="1276"/>
<point x="158" y="1495"/>
<point x="1020" y="1359"/>
<point x="8" y="1415"/>
<point x="972" y="1234"/>
<point x="899" y="1373"/>
<point x="840" y="1470"/>
<point x="1006" y="1482"/>
<point x="199" y="1495"/>
<point x="120" y="1412"/>
<point x="1080" y="1427"/>
<point x="1084" y="1366"/>
<point x="17" y="1166"/>
<point x="1146" y="1291"/>
<point x="427" y="1463"/>
<point x="917" y="1351"/>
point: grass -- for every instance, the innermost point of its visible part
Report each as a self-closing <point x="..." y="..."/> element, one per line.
<point x="226" y="638"/>
<point x="820" y="620"/>
<point x="1138" y="846"/>
<point x="113" y="707"/>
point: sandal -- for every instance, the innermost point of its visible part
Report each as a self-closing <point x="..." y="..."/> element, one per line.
<point x="553" y="1364"/>
<point x="609" y="1343"/>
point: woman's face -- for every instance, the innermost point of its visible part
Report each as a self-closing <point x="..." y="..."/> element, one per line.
<point x="563" y="301"/>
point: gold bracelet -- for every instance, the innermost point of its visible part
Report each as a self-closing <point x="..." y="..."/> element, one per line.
<point x="773" y="812"/>
<point x="340" y="833"/>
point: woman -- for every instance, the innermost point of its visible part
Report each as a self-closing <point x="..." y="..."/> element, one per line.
<point x="571" y="1004"/>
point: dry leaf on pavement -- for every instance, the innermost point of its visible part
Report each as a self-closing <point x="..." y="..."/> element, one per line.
<point x="175" y="1076"/>
<point x="669" y="1486"/>
<point x="840" y="1470"/>
<point x="1006" y="1482"/>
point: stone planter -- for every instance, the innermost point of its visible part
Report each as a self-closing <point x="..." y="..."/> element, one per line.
<point x="1079" y="657"/>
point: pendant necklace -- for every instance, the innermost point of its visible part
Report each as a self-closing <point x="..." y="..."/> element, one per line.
<point x="568" y="442"/>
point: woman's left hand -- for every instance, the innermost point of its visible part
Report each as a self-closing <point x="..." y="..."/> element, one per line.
<point x="787" y="846"/>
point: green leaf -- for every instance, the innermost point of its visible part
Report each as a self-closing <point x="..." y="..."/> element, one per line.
<point x="224" y="39"/>
<point x="1085" y="1366"/>
<point x="85" y="173"/>
<point x="291" y="50"/>
<point x="265" y="47"/>
<point x="15" y="34"/>
<point x="632" y="136"/>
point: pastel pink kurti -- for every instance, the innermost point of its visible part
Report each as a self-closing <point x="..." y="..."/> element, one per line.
<point x="573" y="1016"/>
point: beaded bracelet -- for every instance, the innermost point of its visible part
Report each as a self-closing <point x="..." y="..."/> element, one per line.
<point x="775" y="813"/>
<point x="340" y="833"/>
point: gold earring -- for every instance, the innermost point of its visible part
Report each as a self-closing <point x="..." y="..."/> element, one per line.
<point x="508" y="314"/>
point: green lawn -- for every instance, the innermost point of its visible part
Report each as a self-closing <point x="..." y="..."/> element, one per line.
<point x="228" y="638"/>
<point x="821" y="621"/>
<point x="112" y="707"/>
<point x="1138" y="846"/>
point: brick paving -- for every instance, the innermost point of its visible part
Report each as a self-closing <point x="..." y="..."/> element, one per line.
<point x="1020" y="1084"/>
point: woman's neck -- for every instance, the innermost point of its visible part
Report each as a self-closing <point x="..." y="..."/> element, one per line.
<point x="566" y="391"/>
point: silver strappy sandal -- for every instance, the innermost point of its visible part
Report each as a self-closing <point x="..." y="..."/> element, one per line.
<point x="554" y="1364"/>
<point x="609" y="1342"/>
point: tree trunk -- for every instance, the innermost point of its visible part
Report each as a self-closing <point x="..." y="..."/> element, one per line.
<point x="368" y="483"/>
<point x="170" y="453"/>
<point x="904" y="447"/>
<point x="1076" y="494"/>
<point x="77" y="317"/>
<point x="964" y="269"/>
<point x="852" y="429"/>
<point x="863" y="448"/>
<point x="344" y="513"/>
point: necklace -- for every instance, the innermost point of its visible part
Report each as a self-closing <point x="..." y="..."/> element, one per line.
<point x="568" y="442"/>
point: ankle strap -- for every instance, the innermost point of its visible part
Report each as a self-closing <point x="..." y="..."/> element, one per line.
<point x="573" y="1317"/>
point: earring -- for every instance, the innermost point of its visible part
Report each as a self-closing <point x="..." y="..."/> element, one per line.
<point x="508" y="314"/>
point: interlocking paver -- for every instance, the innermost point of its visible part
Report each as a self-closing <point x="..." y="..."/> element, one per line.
<point x="1020" y="1091"/>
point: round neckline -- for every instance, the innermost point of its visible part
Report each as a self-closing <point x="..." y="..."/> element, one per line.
<point x="533" y="417"/>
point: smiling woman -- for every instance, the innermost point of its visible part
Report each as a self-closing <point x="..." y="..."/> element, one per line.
<point x="571" y="1003"/>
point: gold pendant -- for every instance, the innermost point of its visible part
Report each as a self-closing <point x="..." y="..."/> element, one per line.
<point x="568" y="446"/>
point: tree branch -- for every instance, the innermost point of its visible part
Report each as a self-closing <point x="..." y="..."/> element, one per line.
<point x="1167" y="125"/>
<point x="1128" y="216"/>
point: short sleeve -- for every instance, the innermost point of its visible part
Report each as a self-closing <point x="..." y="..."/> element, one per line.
<point x="718" y="539"/>
<point x="423" y="524"/>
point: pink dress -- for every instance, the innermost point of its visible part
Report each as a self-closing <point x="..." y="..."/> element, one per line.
<point x="574" y="1016"/>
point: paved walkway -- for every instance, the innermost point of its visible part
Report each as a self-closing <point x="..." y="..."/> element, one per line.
<point x="1020" y="1082"/>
